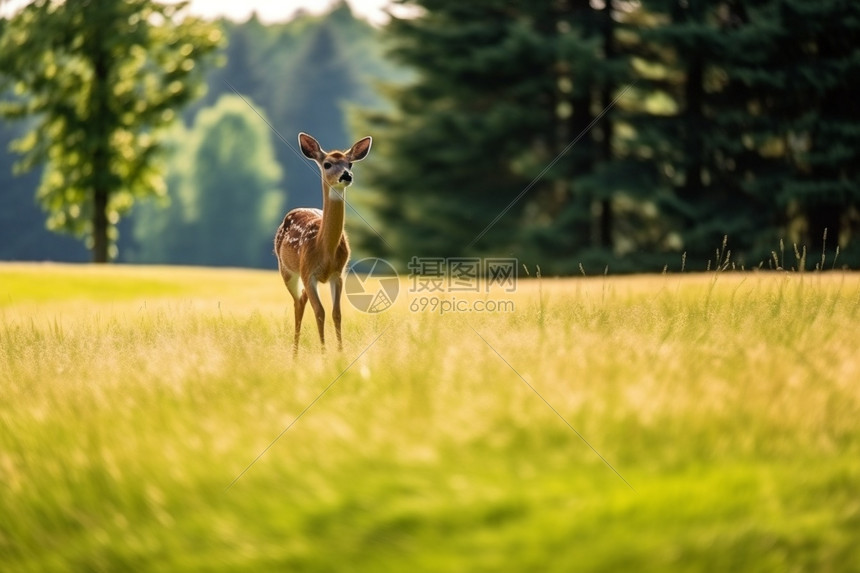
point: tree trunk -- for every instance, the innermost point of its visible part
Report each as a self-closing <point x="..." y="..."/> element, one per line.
<point x="101" y="180"/>
<point x="691" y="121"/>
<point x="821" y="218"/>
<point x="694" y="95"/>
<point x="100" y="225"/>
<point x="606" y="222"/>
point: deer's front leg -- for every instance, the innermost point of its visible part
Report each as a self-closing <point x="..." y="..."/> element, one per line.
<point x="336" y="290"/>
<point x="316" y="304"/>
<point x="299" y="307"/>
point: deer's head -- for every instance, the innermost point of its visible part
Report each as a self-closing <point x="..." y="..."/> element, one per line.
<point x="335" y="166"/>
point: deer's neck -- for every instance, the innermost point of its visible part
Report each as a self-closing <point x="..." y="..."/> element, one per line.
<point x="331" y="230"/>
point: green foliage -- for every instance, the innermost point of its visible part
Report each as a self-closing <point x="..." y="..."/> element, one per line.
<point x="102" y="78"/>
<point x="821" y="138"/>
<point x="223" y="181"/>
<point x="505" y="142"/>
<point x="301" y="75"/>
<point x="724" y="118"/>
<point x="754" y="88"/>
<point x="725" y="400"/>
<point x="469" y="132"/>
<point x="160" y="226"/>
<point x="235" y="176"/>
<point x="313" y="102"/>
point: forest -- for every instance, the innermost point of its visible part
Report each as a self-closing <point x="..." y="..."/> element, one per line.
<point x="577" y="136"/>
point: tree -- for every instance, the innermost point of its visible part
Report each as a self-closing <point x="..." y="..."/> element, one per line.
<point x="578" y="213"/>
<point x="160" y="228"/>
<point x="224" y="203"/>
<point x="676" y="56"/>
<point x="502" y="89"/>
<point x="821" y="142"/>
<point x="243" y="66"/>
<point x="313" y="102"/>
<point x="303" y="74"/>
<point x="102" y="78"/>
<point x="762" y="141"/>
<point x="235" y="177"/>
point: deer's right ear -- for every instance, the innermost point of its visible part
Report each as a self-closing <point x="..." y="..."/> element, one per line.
<point x="310" y="148"/>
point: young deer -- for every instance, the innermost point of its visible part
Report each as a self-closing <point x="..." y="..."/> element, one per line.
<point x="311" y="245"/>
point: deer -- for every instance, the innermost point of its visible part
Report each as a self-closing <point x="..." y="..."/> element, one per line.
<point x="311" y="245"/>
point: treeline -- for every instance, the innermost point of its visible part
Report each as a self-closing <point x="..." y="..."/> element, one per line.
<point x="621" y="132"/>
<point x="229" y="175"/>
<point x="633" y="134"/>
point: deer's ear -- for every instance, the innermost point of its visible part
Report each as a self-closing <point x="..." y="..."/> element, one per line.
<point x="310" y="148"/>
<point x="360" y="150"/>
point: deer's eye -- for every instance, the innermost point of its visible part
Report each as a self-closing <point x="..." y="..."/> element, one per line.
<point x="350" y="164"/>
<point x="327" y="165"/>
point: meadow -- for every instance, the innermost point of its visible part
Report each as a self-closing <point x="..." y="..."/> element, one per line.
<point x="154" y="419"/>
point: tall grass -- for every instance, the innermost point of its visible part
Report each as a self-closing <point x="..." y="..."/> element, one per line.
<point x="131" y="403"/>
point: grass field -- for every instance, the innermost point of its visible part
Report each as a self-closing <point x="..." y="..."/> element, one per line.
<point x="721" y="414"/>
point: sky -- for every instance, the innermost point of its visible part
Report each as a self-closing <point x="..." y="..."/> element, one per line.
<point x="268" y="11"/>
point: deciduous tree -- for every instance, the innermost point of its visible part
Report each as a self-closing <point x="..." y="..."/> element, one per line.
<point x="102" y="78"/>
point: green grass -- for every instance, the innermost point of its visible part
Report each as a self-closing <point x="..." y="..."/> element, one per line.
<point x="132" y="397"/>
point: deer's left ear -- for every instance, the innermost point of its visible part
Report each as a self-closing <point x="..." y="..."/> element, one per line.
<point x="360" y="149"/>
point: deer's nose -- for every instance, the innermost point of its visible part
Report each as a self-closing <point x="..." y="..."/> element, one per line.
<point x="346" y="176"/>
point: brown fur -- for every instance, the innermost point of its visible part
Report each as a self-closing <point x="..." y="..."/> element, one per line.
<point x="311" y="245"/>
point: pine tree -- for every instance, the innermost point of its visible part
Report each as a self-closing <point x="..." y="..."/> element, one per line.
<point x="592" y="75"/>
<point x="763" y="136"/>
<point x="676" y="53"/>
<point x="817" y="45"/>
<point x="475" y="159"/>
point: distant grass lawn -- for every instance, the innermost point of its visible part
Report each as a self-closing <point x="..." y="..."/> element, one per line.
<point x="131" y="398"/>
